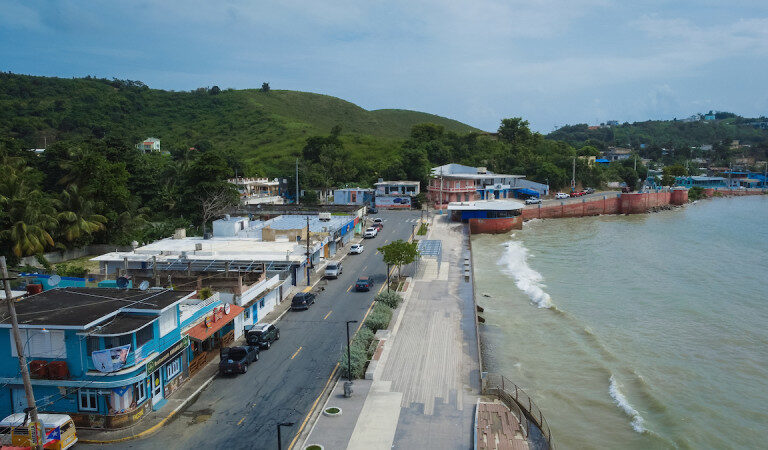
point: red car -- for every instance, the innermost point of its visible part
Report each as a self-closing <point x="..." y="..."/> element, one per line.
<point x="576" y="194"/>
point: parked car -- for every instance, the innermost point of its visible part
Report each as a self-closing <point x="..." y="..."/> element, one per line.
<point x="373" y="210"/>
<point x="589" y="190"/>
<point x="378" y="226"/>
<point x="302" y="300"/>
<point x="236" y="359"/>
<point x="562" y="195"/>
<point x="378" y="220"/>
<point x="532" y="201"/>
<point x="333" y="270"/>
<point x="370" y="233"/>
<point x="356" y="249"/>
<point x="577" y="194"/>
<point x="626" y="189"/>
<point x="364" y="284"/>
<point x="261" y="334"/>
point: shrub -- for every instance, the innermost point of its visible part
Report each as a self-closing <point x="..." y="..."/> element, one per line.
<point x="695" y="193"/>
<point x="379" y="317"/>
<point x="391" y="298"/>
<point x="205" y="293"/>
<point x="422" y="229"/>
<point x="44" y="262"/>
<point x="358" y="349"/>
<point x="71" y="270"/>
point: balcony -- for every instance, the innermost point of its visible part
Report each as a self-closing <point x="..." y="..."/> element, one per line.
<point x="452" y="189"/>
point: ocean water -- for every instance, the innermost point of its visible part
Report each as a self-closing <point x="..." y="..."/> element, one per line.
<point x="647" y="331"/>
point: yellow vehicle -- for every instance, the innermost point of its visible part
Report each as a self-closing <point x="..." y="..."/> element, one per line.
<point x="58" y="430"/>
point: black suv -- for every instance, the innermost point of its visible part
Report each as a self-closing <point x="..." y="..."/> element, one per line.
<point x="236" y="359"/>
<point x="302" y="300"/>
<point x="261" y="334"/>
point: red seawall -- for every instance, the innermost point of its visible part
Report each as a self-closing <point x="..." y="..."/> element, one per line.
<point x="631" y="203"/>
<point x="495" y="226"/>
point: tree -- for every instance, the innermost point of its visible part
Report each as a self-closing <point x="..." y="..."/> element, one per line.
<point x="76" y="218"/>
<point x="265" y="87"/>
<point x="215" y="90"/>
<point x="670" y="172"/>
<point x="215" y="204"/>
<point x="398" y="253"/>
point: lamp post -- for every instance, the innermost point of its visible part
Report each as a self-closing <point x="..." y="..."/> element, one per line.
<point x="349" y="354"/>
<point x="388" y="277"/>
<point x="279" y="441"/>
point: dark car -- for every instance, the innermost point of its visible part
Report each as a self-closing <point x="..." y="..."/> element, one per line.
<point x="373" y="210"/>
<point x="364" y="284"/>
<point x="589" y="190"/>
<point x="378" y="226"/>
<point x="261" y="334"/>
<point x="236" y="359"/>
<point x="626" y="189"/>
<point x="302" y="300"/>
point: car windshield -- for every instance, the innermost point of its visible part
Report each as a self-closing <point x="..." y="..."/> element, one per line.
<point x="331" y="267"/>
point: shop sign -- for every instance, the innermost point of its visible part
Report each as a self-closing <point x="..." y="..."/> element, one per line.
<point x="164" y="357"/>
<point x="35" y="433"/>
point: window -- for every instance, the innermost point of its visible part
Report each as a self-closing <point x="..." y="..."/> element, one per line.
<point x="172" y="369"/>
<point x="145" y="335"/>
<point x="118" y="341"/>
<point x="261" y="303"/>
<point x="140" y="392"/>
<point x="87" y="400"/>
<point x="41" y="344"/>
<point x="92" y="344"/>
<point x="247" y="313"/>
<point x="168" y="321"/>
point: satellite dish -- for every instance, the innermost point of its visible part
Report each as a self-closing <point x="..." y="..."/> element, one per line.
<point x="144" y="285"/>
<point x="122" y="282"/>
<point x="54" y="280"/>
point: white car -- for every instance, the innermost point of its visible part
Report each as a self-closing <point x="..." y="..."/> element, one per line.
<point x="532" y="201"/>
<point x="356" y="249"/>
<point x="377" y="220"/>
<point x="370" y="233"/>
<point x="333" y="270"/>
<point x="562" y="195"/>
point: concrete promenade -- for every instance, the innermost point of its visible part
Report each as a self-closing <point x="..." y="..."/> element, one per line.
<point x="426" y="381"/>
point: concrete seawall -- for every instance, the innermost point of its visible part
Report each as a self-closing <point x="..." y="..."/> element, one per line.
<point x="631" y="203"/>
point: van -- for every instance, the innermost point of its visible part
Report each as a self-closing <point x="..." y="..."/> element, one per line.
<point x="58" y="430"/>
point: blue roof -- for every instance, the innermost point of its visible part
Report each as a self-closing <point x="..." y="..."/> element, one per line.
<point x="528" y="192"/>
<point x="602" y="161"/>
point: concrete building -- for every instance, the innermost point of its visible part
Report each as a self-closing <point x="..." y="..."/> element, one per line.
<point x="459" y="183"/>
<point x="107" y="357"/>
<point x="353" y="196"/>
<point x="149" y="144"/>
<point x="255" y="191"/>
<point x="617" y="153"/>
<point x="703" y="182"/>
<point x="396" y="194"/>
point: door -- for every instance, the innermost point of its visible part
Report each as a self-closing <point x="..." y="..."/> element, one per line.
<point x="19" y="398"/>
<point x="157" y="387"/>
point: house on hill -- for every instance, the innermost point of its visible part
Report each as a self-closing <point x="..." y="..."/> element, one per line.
<point x="149" y="144"/>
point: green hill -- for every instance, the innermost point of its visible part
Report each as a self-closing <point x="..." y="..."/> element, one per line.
<point x="265" y="129"/>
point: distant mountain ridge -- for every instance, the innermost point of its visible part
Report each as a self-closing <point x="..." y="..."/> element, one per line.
<point x="261" y="127"/>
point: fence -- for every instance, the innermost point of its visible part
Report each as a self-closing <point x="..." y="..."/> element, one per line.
<point x="518" y="402"/>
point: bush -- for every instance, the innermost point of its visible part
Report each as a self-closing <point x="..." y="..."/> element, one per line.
<point x="695" y="193"/>
<point x="358" y="350"/>
<point x="422" y="229"/>
<point x="205" y="293"/>
<point x="71" y="270"/>
<point x="391" y="299"/>
<point x="379" y="317"/>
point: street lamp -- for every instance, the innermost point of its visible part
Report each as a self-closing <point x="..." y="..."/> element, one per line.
<point x="279" y="441"/>
<point x="388" y="277"/>
<point x="349" y="355"/>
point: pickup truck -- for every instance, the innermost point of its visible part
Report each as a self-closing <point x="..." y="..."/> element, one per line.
<point x="261" y="335"/>
<point x="236" y="359"/>
<point x="364" y="284"/>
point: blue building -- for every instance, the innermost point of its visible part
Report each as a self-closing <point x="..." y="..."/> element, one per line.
<point x="704" y="182"/>
<point x="107" y="357"/>
<point x="353" y="196"/>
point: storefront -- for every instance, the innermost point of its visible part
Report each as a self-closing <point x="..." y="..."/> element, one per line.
<point x="212" y="332"/>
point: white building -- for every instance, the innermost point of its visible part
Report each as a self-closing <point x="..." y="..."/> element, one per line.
<point x="149" y="144"/>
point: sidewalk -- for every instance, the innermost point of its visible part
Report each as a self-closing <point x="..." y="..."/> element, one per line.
<point x="426" y="382"/>
<point x="189" y="391"/>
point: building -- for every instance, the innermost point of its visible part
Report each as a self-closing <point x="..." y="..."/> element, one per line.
<point x="617" y="154"/>
<point x="149" y="144"/>
<point x="396" y="194"/>
<point x="459" y="183"/>
<point x="704" y="182"/>
<point x="353" y="196"/>
<point x="105" y="356"/>
<point x="612" y="123"/>
<point x="602" y="161"/>
<point x="488" y="216"/>
<point x="706" y="147"/>
<point x="709" y="117"/>
<point x="255" y="191"/>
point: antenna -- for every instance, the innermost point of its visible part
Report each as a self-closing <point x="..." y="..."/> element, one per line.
<point x="54" y="280"/>
<point x="144" y="285"/>
<point x="122" y="282"/>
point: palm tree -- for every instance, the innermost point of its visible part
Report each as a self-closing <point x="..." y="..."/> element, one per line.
<point x="76" y="216"/>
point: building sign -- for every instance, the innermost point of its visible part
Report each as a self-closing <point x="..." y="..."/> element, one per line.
<point x="167" y="355"/>
<point x="111" y="359"/>
<point x="393" y="202"/>
<point x="35" y="433"/>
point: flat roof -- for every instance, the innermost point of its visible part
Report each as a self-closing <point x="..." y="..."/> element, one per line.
<point x="397" y="182"/>
<point x="81" y="308"/>
<point x="490" y="205"/>
<point x="123" y="324"/>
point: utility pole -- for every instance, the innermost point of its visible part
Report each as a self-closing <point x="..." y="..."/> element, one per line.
<point x="297" y="181"/>
<point x="308" y="258"/>
<point x="20" y="351"/>
<point x="441" y="188"/>
<point x="573" y="175"/>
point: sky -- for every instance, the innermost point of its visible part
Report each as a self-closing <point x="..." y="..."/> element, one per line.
<point x="551" y="62"/>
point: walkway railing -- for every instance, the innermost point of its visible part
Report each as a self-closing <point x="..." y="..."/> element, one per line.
<point x="518" y="402"/>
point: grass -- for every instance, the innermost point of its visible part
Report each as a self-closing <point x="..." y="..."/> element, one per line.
<point x="422" y="229"/>
<point x="91" y="266"/>
<point x="332" y="410"/>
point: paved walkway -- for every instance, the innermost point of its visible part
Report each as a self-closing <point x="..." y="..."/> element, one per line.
<point x="426" y="382"/>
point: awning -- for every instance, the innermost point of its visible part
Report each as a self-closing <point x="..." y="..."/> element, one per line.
<point x="527" y="191"/>
<point x="214" y="322"/>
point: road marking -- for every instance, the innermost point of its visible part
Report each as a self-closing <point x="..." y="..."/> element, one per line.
<point x="386" y="241"/>
<point x="350" y="287"/>
<point x="297" y="352"/>
<point x="365" y="268"/>
<point x="377" y="252"/>
<point x="312" y="408"/>
<point x="329" y="313"/>
<point x="241" y="421"/>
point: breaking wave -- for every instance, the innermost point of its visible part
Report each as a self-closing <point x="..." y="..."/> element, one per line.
<point x="622" y="402"/>
<point x="515" y="264"/>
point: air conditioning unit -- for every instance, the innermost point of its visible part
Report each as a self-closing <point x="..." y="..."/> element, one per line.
<point x="198" y="247"/>
<point x="325" y="216"/>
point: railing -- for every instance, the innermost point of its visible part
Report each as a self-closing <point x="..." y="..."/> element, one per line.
<point x="189" y="309"/>
<point x="518" y="402"/>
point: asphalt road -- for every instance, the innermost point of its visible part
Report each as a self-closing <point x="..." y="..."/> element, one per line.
<point x="596" y="195"/>
<point x="243" y="411"/>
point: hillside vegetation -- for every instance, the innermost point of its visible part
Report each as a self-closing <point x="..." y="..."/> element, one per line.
<point x="266" y="130"/>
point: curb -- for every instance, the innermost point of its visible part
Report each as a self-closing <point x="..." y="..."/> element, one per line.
<point x="158" y="425"/>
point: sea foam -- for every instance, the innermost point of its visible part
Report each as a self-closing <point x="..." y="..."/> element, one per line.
<point x="515" y="264"/>
<point x="622" y="402"/>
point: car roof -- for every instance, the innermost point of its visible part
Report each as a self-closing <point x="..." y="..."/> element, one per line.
<point x="364" y="278"/>
<point x="260" y="327"/>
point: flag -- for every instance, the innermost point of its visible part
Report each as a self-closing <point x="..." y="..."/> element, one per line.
<point x="54" y="435"/>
